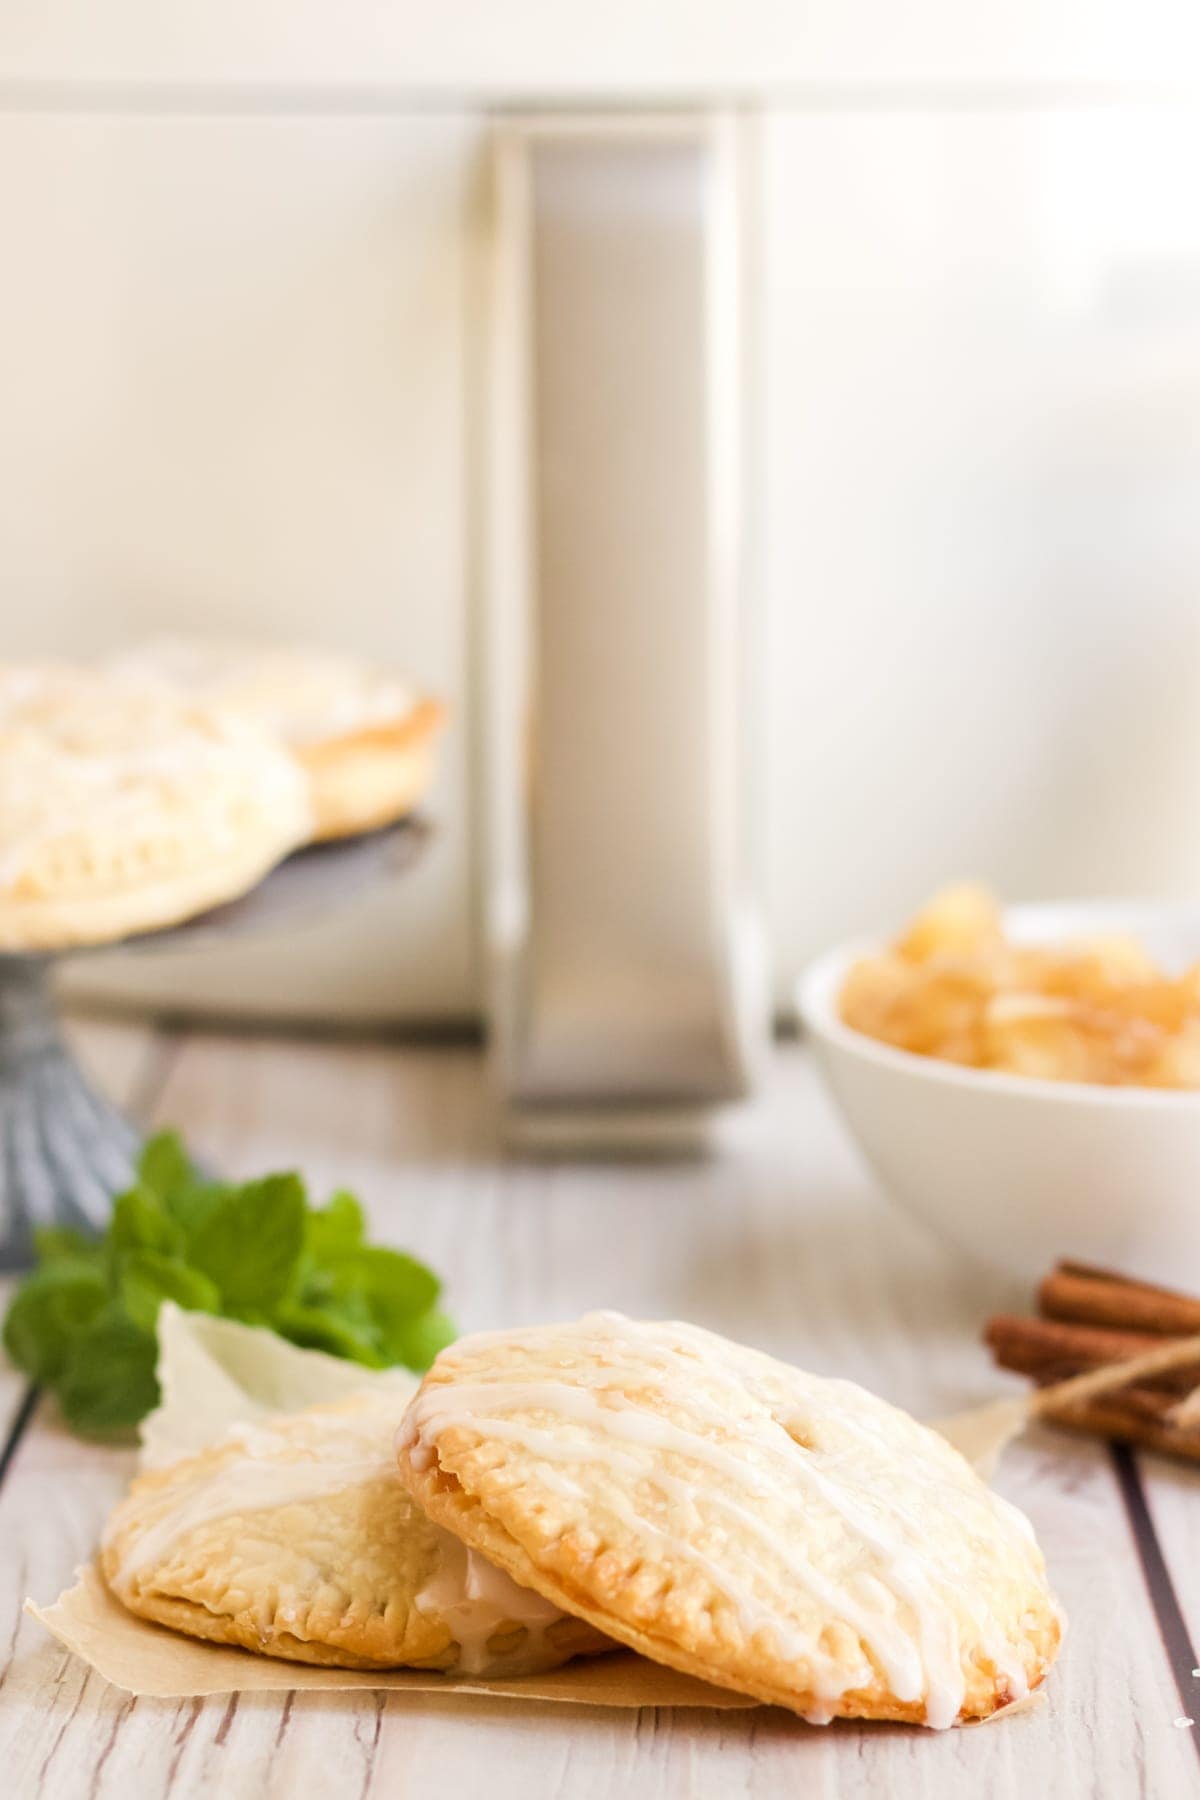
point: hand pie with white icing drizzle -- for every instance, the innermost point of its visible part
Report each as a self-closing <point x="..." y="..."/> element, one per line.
<point x="292" y="1536"/>
<point x="364" y="737"/>
<point x="791" y="1537"/>
<point x="124" y="807"/>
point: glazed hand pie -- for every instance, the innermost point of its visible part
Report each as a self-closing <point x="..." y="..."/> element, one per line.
<point x="293" y="1537"/>
<point x="793" y="1538"/>
<point x="124" y="807"/>
<point x="365" y="739"/>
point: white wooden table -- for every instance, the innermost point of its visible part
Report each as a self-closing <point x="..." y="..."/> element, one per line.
<point x="783" y="1241"/>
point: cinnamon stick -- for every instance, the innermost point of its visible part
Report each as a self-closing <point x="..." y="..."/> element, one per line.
<point x="1133" y="1413"/>
<point x="1079" y="1294"/>
<point x="1094" y="1321"/>
<point x="1049" y="1350"/>
<point x="1125" y="1424"/>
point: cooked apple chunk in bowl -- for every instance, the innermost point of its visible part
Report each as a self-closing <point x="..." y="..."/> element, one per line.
<point x="1096" y="1008"/>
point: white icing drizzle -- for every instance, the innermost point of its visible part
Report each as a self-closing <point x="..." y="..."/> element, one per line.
<point x="480" y="1603"/>
<point x="106" y="763"/>
<point x="480" y="1606"/>
<point x="302" y="695"/>
<point x="899" y="1601"/>
<point x="241" y="1485"/>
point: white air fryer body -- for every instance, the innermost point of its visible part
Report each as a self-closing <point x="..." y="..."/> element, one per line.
<point x="622" y="632"/>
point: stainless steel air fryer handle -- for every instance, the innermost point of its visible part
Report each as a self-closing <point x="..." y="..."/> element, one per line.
<point x="622" y="636"/>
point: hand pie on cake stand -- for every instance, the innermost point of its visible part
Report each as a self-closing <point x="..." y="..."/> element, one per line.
<point x="64" y="1149"/>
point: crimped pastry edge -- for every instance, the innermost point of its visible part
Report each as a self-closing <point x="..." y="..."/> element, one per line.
<point x="47" y="923"/>
<point x="442" y="1497"/>
<point x="240" y="1632"/>
<point x="367" y="778"/>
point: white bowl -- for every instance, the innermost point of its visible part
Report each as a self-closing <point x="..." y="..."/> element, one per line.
<point x="1018" y="1172"/>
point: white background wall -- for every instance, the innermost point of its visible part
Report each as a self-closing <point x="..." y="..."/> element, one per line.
<point x="238" y="318"/>
<point x="557" y="47"/>
<point x="232" y="355"/>
<point x="984" y="491"/>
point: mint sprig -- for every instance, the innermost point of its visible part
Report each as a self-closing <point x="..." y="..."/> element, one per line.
<point x="83" y="1322"/>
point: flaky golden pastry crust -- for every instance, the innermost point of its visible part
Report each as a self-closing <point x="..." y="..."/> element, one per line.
<point x="367" y="741"/>
<point x="292" y="1537"/>
<point x="793" y="1538"/>
<point x="124" y="808"/>
<point x="366" y="779"/>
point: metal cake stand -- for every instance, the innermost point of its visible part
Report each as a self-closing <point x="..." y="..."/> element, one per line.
<point x="64" y="1149"/>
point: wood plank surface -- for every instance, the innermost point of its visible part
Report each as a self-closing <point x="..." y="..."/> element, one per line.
<point x="782" y="1240"/>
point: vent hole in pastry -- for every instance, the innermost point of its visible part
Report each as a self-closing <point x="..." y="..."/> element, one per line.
<point x="799" y="1433"/>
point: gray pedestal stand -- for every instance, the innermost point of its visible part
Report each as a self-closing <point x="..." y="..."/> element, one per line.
<point x="64" y="1150"/>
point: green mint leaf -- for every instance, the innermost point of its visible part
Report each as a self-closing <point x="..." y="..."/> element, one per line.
<point x="85" y="1320"/>
<point x="165" y="1168"/>
<point x="164" y="1165"/>
<point x="393" y="1282"/>
<point x="147" y="1278"/>
<point x="399" y="1295"/>
<point x="140" y="1221"/>
<point x="108" y="1381"/>
<point x="58" y="1243"/>
<point x="332" y="1329"/>
<point x="336" y="1228"/>
<point x="249" y="1243"/>
<point x="416" y="1342"/>
<point x="192" y="1206"/>
<point x="52" y="1307"/>
<point x="354" y="1309"/>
